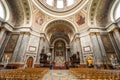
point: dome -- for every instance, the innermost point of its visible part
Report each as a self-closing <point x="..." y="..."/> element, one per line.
<point x="60" y="7"/>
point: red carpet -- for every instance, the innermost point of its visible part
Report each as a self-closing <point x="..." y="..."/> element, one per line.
<point x="59" y="67"/>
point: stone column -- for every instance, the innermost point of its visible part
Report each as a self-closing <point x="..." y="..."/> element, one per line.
<point x="67" y="54"/>
<point x="2" y="36"/>
<point x="65" y="3"/>
<point x="114" y="43"/>
<point x="23" y="47"/>
<point x="78" y="44"/>
<point x="7" y="37"/>
<point x="55" y="4"/>
<point x="16" y="51"/>
<point x="52" y="53"/>
<point x="96" y="49"/>
<point x="116" y="34"/>
<point x="40" y="48"/>
<point x="102" y="49"/>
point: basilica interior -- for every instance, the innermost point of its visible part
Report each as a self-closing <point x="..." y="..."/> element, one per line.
<point x="75" y="39"/>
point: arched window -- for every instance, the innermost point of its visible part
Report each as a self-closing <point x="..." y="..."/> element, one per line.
<point x="70" y="2"/>
<point x="117" y="11"/>
<point x="2" y="11"/>
<point x="60" y="4"/>
<point x="49" y="2"/>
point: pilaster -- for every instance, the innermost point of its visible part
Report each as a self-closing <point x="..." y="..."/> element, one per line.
<point x="79" y="49"/>
<point x="16" y="51"/>
<point x="2" y="36"/>
<point x="23" y="46"/>
<point x="96" y="48"/>
<point x="40" y="48"/>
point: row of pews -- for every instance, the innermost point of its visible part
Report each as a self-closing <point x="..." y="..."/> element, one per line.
<point x="94" y="74"/>
<point x="23" y="74"/>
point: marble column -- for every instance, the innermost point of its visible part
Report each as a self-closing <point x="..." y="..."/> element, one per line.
<point x="52" y="53"/>
<point x="96" y="49"/>
<point x="67" y="54"/>
<point x="79" y="49"/>
<point x="40" y="49"/>
<point x="114" y="43"/>
<point x="65" y="3"/>
<point x="23" y="47"/>
<point x="102" y="49"/>
<point x="2" y="36"/>
<point x="116" y="34"/>
<point x="7" y="36"/>
<point x="16" y="51"/>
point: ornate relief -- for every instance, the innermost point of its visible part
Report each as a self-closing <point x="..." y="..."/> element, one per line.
<point x="80" y="19"/>
<point x="39" y="18"/>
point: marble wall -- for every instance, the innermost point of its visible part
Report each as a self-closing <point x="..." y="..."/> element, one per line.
<point x="86" y="46"/>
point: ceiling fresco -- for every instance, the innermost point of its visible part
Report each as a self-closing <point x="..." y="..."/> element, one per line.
<point x="60" y="29"/>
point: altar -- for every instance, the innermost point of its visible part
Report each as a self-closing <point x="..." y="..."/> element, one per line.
<point x="59" y="61"/>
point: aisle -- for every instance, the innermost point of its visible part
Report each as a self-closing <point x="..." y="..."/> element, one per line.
<point x="59" y="75"/>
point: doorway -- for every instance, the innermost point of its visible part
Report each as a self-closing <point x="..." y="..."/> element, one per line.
<point x="29" y="62"/>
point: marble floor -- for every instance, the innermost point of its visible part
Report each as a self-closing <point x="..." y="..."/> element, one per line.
<point x="59" y="75"/>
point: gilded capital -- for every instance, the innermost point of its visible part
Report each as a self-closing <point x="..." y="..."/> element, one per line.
<point x="116" y="30"/>
<point x="92" y="33"/>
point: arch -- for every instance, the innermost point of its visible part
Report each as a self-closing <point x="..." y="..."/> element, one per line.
<point x="113" y="9"/>
<point x="23" y="14"/>
<point x="2" y="10"/>
<point x="54" y="20"/>
<point x="6" y="10"/>
<point x="59" y="39"/>
<point x="29" y="62"/>
<point x="100" y="13"/>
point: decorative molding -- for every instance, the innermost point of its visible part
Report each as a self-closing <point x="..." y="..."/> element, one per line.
<point x="86" y="48"/>
<point x="32" y="48"/>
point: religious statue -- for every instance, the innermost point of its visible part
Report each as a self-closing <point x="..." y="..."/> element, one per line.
<point x="113" y="61"/>
<point x="89" y="62"/>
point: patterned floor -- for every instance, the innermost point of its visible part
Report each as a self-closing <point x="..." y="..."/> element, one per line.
<point x="59" y="75"/>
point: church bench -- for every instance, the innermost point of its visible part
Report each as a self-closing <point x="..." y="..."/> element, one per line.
<point x="87" y="73"/>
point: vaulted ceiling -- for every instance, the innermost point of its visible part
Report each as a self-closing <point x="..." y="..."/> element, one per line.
<point x="60" y="29"/>
<point x="98" y="12"/>
<point x="97" y="15"/>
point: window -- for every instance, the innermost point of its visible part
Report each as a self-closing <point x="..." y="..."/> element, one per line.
<point x="70" y="2"/>
<point x="49" y="2"/>
<point x="117" y="11"/>
<point x="60" y="4"/>
<point x="2" y="13"/>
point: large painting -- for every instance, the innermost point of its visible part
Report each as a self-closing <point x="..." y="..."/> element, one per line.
<point x="80" y="19"/>
<point x="12" y="43"/>
<point x="107" y="44"/>
<point x="39" y="18"/>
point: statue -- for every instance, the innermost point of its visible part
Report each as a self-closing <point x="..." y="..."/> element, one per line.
<point x="114" y="62"/>
<point x="89" y="62"/>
